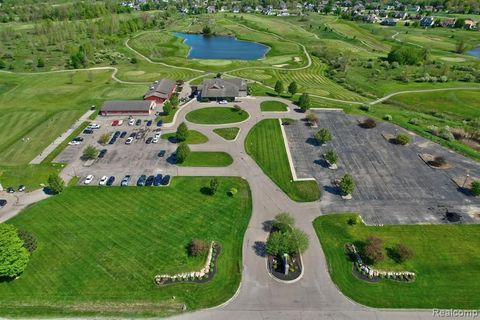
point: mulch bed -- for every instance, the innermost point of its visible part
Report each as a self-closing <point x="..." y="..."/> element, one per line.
<point x="429" y="160"/>
<point x="279" y="272"/>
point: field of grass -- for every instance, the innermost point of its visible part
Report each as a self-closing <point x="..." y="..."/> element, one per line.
<point x="268" y="106"/>
<point x="264" y="143"/>
<point x="207" y="159"/>
<point x="194" y="137"/>
<point x="217" y="115"/>
<point x="446" y="261"/>
<point x="227" y="133"/>
<point x="64" y="144"/>
<point x="32" y="176"/>
<point x="99" y="249"/>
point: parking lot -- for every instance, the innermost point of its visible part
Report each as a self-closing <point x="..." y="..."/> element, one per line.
<point x="121" y="159"/>
<point x="393" y="184"/>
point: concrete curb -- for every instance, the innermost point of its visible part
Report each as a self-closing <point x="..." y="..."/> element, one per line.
<point x="286" y="281"/>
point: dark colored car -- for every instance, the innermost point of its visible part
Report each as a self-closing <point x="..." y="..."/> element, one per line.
<point x="10" y="190"/>
<point x="3" y="203"/>
<point x="102" y="153"/>
<point x="149" y="181"/>
<point x="110" y="181"/>
<point x="149" y="140"/>
<point x="139" y="135"/>
<point x="125" y="180"/>
<point x="132" y="135"/>
<point x="124" y="133"/>
<point x="138" y="122"/>
<point x="88" y="131"/>
<point x="21" y="188"/>
<point x="159" y="123"/>
<point x="161" y="154"/>
<point x="158" y="180"/>
<point x="79" y="139"/>
<point x="141" y="180"/>
<point x="117" y="134"/>
<point x="149" y="123"/>
<point x="112" y="141"/>
<point x="165" y="180"/>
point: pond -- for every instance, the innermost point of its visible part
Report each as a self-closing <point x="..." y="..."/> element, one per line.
<point x="475" y="52"/>
<point x="222" y="47"/>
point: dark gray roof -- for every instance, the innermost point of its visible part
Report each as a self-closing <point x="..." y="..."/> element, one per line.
<point x="129" y="105"/>
<point x="161" y="89"/>
<point x="213" y="88"/>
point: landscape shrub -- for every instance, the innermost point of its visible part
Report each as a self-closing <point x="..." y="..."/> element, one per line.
<point x="405" y="55"/>
<point x="438" y="162"/>
<point x="182" y="132"/>
<point x="283" y="222"/>
<point x="90" y="152"/>
<point x="373" y="250"/>
<point x="446" y="134"/>
<point x="323" y="136"/>
<point x="237" y="108"/>
<point x="347" y="184"/>
<point x="55" y="183"/>
<point x="331" y="156"/>
<point x="368" y="123"/>
<point x="475" y="188"/>
<point x="29" y="240"/>
<point x="414" y="121"/>
<point x="387" y="117"/>
<point x="311" y="117"/>
<point x="104" y="138"/>
<point x="13" y="255"/>
<point x="213" y="186"/>
<point x="433" y="129"/>
<point x="233" y="192"/>
<point x="402" y="253"/>
<point x="402" y="138"/>
<point x="197" y="247"/>
<point x="183" y="151"/>
<point x="365" y="107"/>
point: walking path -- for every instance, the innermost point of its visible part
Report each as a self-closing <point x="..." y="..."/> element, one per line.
<point x="52" y="146"/>
<point x="19" y="201"/>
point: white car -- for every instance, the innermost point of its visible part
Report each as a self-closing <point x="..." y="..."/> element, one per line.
<point x="223" y="102"/>
<point x="89" y="179"/>
<point x="120" y="122"/>
<point x="94" y="126"/>
<point x="129" y="140"/>
<point x="155" y="140"/>
<point x="157" y="135"/>
<point x="74" y="143"/>
<point x="131" y="122"/>
<point x="103" y="181"/>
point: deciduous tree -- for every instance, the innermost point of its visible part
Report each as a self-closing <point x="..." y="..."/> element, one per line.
<point x="13" y="255"/>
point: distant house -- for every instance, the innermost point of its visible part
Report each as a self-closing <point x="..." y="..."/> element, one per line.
<point x="427" y="22"/>
<point x="469" y="24"/>
<point x="388" y="22"/>
<point x="415" y="8"/>
<point x="400" y="15"/>
<point x="134" y="107"/>
<point x="371" y="18"/>
<point x="448" y="23"/>
<point x="428" y="8"/>
<point x="211" y="9"/>
<point x="222" y="89"/>
<point x="160" y="91"/>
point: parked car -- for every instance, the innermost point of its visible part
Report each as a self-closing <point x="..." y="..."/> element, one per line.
<point x="161" y="154"/>
<point x="117" y="134"/>
<point x="113" y="140"/>
<point x="79" y="139"/>
<point x="223" y="102"/>
<point x="115" y="123"/>
<point x="149" y="123"/>
<point x="124" y="133"/>
<point x="141" y="180"/>
<point x="89" y="179"/>
<point x="129" y="140"/>
<point x="93" y="126"/>
<point x="120" y="122"/>
<point x="155" y="140"/>
<point x="88" y="131"/>
<point x="158" y="180"/>
<point x="132" y="135"/>
<point x="102" y="153"/>
<point x="131" y="122"/>
<point x="138" y="122"/>
<point x="157" y="135"/>
<point x="103" y="181"/>
<point x="110" y="181"/>
<point x="125" y="180"/>
<point x="139" y="136"/>
<point x="149" y="140"/>
<point x="10" y="190"/>
<point x="3" y="203"/>
<point x="149" y="181"/>
<point x="21" y="188"/>
<point x="159" y="123"/>
<point x="165" y="180"/>
<point x="74" y="143"/>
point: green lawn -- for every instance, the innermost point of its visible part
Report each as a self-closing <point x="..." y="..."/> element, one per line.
<point x="269" y="106"/>
<point x="217" y="115"/>
<point x="32" y="176"/>
<point x="446" y="261"/>
<point x="264" y="143"/>
<point x="207" y="159"/>
<point x="99" y="249"/>
<point x="194" y="137"/>
<point x="227" y="133"/>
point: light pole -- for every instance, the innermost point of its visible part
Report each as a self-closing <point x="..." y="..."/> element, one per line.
<point x="466" y="178"/>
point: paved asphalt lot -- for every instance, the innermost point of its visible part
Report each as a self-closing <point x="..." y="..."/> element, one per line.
<point x="394" y="185"/>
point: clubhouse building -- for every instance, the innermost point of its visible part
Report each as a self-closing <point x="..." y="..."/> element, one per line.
<point x="160" y="91"/>
<point x="222" y="89"/>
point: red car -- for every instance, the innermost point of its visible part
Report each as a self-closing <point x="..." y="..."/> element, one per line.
<point x="115" y="123"/>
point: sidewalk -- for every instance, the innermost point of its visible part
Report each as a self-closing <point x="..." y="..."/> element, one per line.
<point x="38" y="159"/>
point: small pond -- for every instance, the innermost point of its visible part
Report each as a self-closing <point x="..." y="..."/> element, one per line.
<point x="475" y="52"/>
<point x="222" y="47"/>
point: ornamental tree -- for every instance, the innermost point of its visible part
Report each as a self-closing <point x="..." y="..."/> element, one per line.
<point x="347" y="184"/>
<point x="279" y="87"/>
<point x="90" y="152"/>
<point x="292" y="88"/>
<point x="304" y="102"/>
<point x="323" y="136"/>
<point x="182" y="132"/>
<point x="55" y="183"/>
<point x="13" y="255"/>
<point x="183" y="151"/>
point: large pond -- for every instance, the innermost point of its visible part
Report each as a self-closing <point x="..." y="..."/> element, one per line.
<point x="222" y="47"/>
<point x="475" y="52"/>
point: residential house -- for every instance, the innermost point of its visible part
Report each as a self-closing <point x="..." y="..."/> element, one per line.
<point x="469" y="24"/>
<point x="448" y="23"/>
<point x="427" y="22"/>
<point x="211" y="9"/>
<point x="388" y="22"/>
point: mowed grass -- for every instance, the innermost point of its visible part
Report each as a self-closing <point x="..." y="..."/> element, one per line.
<point x="194" y="137"/>
<point x="264" y="143"/>
<point x="269" y="106"/>
<point x="207" y="159"/>
<point x="217" y="115"/>
<point x="446" y="261"/>
<point x="31" y="176"/>
<point x="227" y="133"/>
<point x="99" y="249"/>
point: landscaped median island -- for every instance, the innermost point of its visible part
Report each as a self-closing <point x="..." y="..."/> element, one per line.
<point x="273" y="106"/>
<point x="264" y="143"/>
<point x="207" y="159"/>
<point x="194" y="137"/>
<point x="426" y="266"/>
<point x="227" y="133"/>
<point x="99" y="249"/>
<point x="217" y="115"/>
